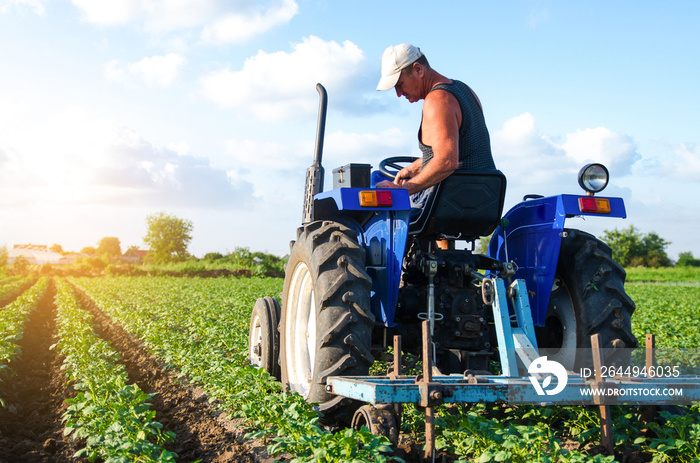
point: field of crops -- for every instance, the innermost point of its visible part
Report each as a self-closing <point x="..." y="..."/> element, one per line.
<point x="155" y="369"/>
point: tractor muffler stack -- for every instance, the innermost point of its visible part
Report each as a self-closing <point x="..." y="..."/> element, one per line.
<point x="315" y="172"/>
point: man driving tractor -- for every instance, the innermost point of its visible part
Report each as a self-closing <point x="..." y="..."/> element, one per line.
<point x="452" y="134"/>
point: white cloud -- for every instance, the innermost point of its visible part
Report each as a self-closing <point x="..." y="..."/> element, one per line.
<point x="153" y="71"/>
<point x="108" y="13"/>
<point x="343" y="148"/>
<point x="264" y="155"/>
<point x="37" y="6"/>
<point x="529" y="158"/>
<point x="616" y="151"/>
<point x="536" y="163"/>
<point x="276" y="86"/>
<point x="80" y="160"/>
<point x="278" y="169"/>
<point x="236" y="27"/>
<point x="219" y="20"/>
<point x="685" y="165"/>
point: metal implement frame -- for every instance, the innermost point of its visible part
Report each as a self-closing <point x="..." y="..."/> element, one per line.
<point x="517" y="349"/>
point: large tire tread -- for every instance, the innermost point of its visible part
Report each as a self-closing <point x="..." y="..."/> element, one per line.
<point x="596" y="283"/>
<point x="343" y="320"/>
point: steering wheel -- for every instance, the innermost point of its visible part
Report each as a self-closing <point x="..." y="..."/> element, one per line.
<point x="394" y="162"/>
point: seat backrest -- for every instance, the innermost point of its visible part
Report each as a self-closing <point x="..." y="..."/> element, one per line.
<point x="468" y="204"/>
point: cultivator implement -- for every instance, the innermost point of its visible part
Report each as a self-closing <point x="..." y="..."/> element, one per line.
<point x="518" y="353"/>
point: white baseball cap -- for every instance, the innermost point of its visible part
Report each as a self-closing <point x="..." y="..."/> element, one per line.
<point x="395" y="59"/>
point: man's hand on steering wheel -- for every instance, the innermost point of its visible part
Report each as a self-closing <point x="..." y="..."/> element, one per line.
<point x="394" y="163"/>
<point x="392" y="168"/>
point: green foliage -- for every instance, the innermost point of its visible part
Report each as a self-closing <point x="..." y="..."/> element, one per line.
<point x="686" y="275"/>
<point x="686" y="259"/>
<point x="260" y="262"/>
<point x="57" y="248"/>
<point x="199" y="327"/>
<point x="113" y="417"/>
<point x="3" y="257"/>
<point x="89" y="250"/>
<point x="12" y="286"/>
<point x="482" y="245"/>
<point x="167" y="237"/>
<point x="12" y="319"/>
<point x="631" y="248"/>
<point x="109" y="246"/>
<point x="21" y="264"/>
<point x="668" y="310"/>
<point x="494" y="433"/>
<point x="677" y="439"/>
<point x="239" y="262"/>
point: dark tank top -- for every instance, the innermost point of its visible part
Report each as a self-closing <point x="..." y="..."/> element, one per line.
<point x="474" y="141"/>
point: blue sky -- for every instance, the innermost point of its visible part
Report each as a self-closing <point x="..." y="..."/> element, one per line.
<point x="206" y="109"/>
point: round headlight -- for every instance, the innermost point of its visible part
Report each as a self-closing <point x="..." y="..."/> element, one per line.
<point x="593" y="177"/>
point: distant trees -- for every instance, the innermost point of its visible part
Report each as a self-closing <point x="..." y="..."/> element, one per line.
<point x="110" y="246"/>
<point x="167" y="237"/>
<point x="686" y="259"/>
<point x="57" y="248"/>
<point x="631" y="248"/>
<point x="89" y="250"/>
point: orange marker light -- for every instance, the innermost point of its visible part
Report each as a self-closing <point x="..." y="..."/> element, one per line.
<point x="594" y="205"/>
<point x="374" y="198"/>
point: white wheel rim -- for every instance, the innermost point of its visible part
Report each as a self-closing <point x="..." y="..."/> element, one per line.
<point x="300" y="331"/>
<point x="564" y="311"/>
<point x="256" y="339"/>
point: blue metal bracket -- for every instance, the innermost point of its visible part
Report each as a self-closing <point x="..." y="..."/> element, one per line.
<point x="514" y="342"/>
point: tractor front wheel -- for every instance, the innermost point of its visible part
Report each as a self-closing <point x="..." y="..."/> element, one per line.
<point x="588" y="297"/>
<point x="326" y="322"/>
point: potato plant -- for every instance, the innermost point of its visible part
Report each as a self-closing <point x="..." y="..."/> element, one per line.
<point x="12" y="285"/>
<point x="12" y="320"/>
<point x="112" y="416"/>
<point x="199" y="327"/>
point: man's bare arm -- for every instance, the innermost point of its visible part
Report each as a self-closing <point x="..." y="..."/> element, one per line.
<point x="440" y="130"/>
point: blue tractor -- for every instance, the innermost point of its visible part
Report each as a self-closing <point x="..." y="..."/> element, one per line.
<point x="365" y="267"/>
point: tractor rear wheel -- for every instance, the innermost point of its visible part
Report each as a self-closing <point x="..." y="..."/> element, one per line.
<point x="326" y="322"/>
<point x="588" y="297"/>
<point x="264" y="337"/>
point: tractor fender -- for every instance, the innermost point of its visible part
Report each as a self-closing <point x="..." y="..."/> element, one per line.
<point x="382" y="231"/>
<point x="530" y="234"/>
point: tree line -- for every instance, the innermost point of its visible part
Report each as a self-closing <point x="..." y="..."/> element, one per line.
<point x="168" y="238"/>
<point x="632" y="248"/>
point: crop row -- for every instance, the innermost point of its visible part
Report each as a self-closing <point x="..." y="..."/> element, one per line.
<point x="112" y="416"/>
<point x="669" y="311"/>
<point x="12" y="319"/>
<point x="199" y="327"/>
<point x="13" y="285"/>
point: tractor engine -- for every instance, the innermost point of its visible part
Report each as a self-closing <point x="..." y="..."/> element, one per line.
<point x="463" y="332"/>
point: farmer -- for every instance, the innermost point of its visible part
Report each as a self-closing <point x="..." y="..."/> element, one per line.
<point x="452" y="134"/>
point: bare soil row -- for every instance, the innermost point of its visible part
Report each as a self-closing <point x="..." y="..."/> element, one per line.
<point x="30" y="424"/>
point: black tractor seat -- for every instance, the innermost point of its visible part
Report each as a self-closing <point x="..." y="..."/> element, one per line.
<point x="466" y="205"/>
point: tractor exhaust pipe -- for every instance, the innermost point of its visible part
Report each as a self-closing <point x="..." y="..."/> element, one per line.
<point x="314" y="174"/>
